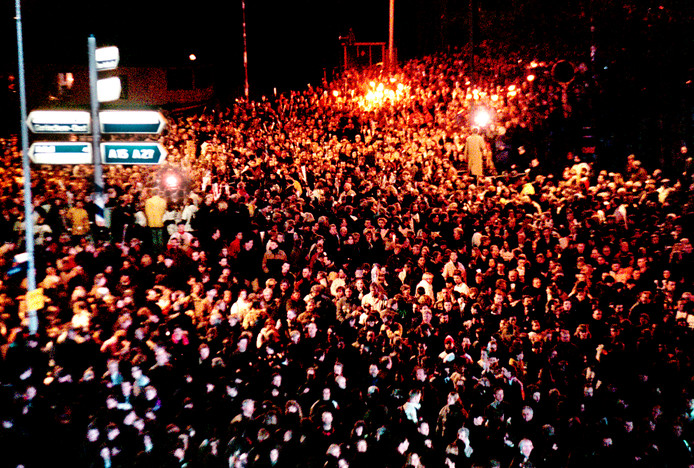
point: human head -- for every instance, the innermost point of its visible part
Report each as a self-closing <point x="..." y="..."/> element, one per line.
<point x="526" y="447"/>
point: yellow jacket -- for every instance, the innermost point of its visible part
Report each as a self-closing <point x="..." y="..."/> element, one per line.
<point x="155" y="207"/>
<point x="79" y="220"/>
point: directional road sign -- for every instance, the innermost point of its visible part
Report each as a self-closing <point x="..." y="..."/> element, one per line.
<point x="58" y="121"/>
<point x="132" y="153"/>
<point x="131" y="121"/>
<point x="60" y="153"/>
<point x="107" y="58"/>
<point x="108" y="89"/>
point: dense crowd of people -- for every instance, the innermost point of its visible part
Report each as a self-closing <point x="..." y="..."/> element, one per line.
<point x="357" y="275"/>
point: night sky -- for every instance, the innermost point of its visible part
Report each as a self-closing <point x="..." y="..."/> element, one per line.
<point x="289" y="43"/>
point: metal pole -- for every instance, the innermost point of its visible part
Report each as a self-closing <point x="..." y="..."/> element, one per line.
<point x="96" y="134"/>
<point x="472" y="38"/>
<point x="593" y="46"/>
<point x="245" y="49"/>
<point x="26" y="172"/>
<point x="391" y="28"/>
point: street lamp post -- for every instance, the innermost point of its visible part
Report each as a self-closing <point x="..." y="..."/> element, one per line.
<point x="391" y="28"/>
<point x="245" y="49"/>
<point x="471" y="22"/>
<point x="96" y="134"/>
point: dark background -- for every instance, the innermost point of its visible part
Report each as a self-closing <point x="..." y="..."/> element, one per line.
<point x="290" y="43"/>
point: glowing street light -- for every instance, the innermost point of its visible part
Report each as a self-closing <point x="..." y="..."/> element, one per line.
<point x="481" y="118"/>
<point x="171" y="181"/>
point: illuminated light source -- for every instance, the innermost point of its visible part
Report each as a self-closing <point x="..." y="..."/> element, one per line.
<point x="481" y="118"/>
<point x="533" y="64"/>
<point x="171" y="181"/>
<point x="512" y="87"/>
<point x="192" y="57"/>
<point x="531" y="78"/>
<point x="336" y="93"/>
<point x="381" y="94"/>
<point x="495" y="97"/>
<point x="66" y="80"/>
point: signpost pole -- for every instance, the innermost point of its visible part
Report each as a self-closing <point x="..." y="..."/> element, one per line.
<point x="28" y="208"/>
<point x="245" y="51"/>
<point x="96" y="134"/>
<point x="391" y="28"/>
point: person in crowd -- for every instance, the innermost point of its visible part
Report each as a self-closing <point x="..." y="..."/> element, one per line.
<point x="155" y="209"/>
<point x="475" y="153"/>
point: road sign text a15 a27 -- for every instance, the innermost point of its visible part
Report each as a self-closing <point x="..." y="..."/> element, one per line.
<point x="133" y="153"/>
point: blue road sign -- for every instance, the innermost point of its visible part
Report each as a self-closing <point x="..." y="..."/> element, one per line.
<point x="132" y="153"/>
<point x="131" y="121"/>
<point x="67" y="152"/>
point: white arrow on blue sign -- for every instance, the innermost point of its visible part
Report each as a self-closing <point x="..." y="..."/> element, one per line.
<point x="131" y="121"/>
<point x="60" y="153"/>
<point x="132" y="153"/>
